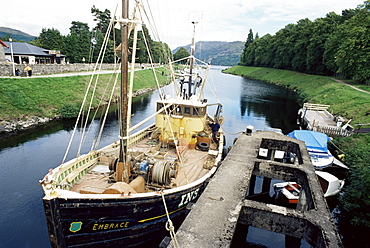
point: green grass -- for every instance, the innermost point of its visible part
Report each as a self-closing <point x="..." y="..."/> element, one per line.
<point x="44" y="97"/>
<point x="343" y="100"/>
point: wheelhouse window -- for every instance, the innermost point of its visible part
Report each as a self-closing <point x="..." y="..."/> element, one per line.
<point x="187" y="111"/>
<point x="159" y="106"/>
<point x="198" y="111"/>
<point x="177" y="110"/>
<point x="194" y="111"/>
<point x="182" y="110"/>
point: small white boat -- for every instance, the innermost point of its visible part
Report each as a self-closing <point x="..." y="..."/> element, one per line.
<point x="317" y="147"/>
<point x="289" y="191"/>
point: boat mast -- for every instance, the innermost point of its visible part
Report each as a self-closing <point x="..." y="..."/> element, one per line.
<point x="192" y="59"/>
<point x="122" y="163"/>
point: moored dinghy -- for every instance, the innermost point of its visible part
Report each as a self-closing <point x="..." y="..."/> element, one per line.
<point x="289" y="191"/>
<point x="317" y="147"/>
<point x="133" y="192"/>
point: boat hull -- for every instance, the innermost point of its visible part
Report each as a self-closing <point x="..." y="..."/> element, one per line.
<point x="125" y="221"/>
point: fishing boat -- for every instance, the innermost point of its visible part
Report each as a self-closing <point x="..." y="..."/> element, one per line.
<point x="135" y="191"/>
<point x="289" y="191"/>
<point x="317" y="147"/>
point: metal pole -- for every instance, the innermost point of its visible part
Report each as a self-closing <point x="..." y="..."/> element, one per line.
<point x="192" y="59"/>
<point x="11" y="52"/>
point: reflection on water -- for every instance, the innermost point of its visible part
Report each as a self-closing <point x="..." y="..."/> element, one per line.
<point x="26" y="158"/>
<point x="269" y="101"/>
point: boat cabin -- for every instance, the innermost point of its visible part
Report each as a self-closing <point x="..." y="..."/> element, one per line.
<point x="187" y="118"/>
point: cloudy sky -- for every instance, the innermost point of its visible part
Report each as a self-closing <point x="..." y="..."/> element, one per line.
<point x="226" y="20"/>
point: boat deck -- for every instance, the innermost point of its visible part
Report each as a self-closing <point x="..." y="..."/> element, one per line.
<point x="320" y="118"/>
<point x="192" y="165"/>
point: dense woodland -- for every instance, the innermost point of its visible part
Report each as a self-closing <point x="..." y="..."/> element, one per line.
<point x="83" y="45"/>
<point x="335" y="44"/>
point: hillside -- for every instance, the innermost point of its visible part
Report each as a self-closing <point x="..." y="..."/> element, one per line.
<point x="218" y="52"/>
<point x="16" y="34"/>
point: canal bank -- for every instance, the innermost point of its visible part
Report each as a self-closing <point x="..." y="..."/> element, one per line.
<point x="14" y="127"/>
<point x="31" y="102"/>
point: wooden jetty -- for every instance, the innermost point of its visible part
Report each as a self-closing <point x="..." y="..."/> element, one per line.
<point x="213" y="218"/>
<point x="316" y="117"/>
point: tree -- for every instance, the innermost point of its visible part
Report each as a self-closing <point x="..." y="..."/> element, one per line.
<point x="283" y="47"/>
<point x="347" y="49"/>
<point x="102" y="18"/>
<point x="78" y="42"/>
<point x="352" y="56"/>
<point x="161" y="52"/>
<point x="321" y="29"/>
<point x="50" y="39"/>
<point x="180" y="54"/>
<point x="248" y="42"/>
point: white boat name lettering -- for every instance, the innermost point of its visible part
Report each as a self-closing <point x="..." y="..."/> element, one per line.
<point x="188" y="197"/>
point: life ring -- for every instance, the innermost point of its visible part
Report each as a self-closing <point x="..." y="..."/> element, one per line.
<point x="203" y="146"/>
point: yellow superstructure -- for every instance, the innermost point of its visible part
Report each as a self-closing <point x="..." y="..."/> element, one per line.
<point x="184" y="119"/>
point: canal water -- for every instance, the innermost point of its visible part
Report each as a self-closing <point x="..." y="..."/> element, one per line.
<point x="26" y="158"/>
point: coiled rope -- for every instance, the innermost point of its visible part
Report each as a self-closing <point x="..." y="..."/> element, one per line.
<point x="169" y="224"/>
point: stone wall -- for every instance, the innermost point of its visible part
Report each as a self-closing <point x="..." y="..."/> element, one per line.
<point x="6" y="69"/>
<point x="2" y="54"/>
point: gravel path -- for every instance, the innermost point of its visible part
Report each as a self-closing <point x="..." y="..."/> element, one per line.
<point x="341" y="82"/>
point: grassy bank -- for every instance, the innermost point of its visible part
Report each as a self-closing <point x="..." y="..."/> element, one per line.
<point x="44" y="97"/>
<point x="344" y="100"/>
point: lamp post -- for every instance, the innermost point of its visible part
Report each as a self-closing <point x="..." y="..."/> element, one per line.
<point x="11" y="52"/>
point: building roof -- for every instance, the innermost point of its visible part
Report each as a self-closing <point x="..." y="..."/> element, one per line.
<point x="20" y="48"/>
<point x="3" y="44"/>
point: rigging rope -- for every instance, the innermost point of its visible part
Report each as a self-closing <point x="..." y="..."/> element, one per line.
<point x="102" y="51"/>
<point x="106" y="112"/>
<point x="232" y="133"/>
<point x="336" y="146"/>
<point x="169" y="224"/>
<point x="83" y="105"/>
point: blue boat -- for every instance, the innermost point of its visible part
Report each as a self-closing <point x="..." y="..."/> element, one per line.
<point x="317" y="147"/>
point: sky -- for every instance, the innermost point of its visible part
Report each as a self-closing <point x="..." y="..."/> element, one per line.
<point x="226" y="20"/>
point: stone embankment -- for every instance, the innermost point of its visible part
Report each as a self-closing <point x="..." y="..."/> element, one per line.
<point x="11" y="127"/>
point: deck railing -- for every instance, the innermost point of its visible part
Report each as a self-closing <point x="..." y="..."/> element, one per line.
<point x="333" y="131"/>
<point x="317" y="107"/>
